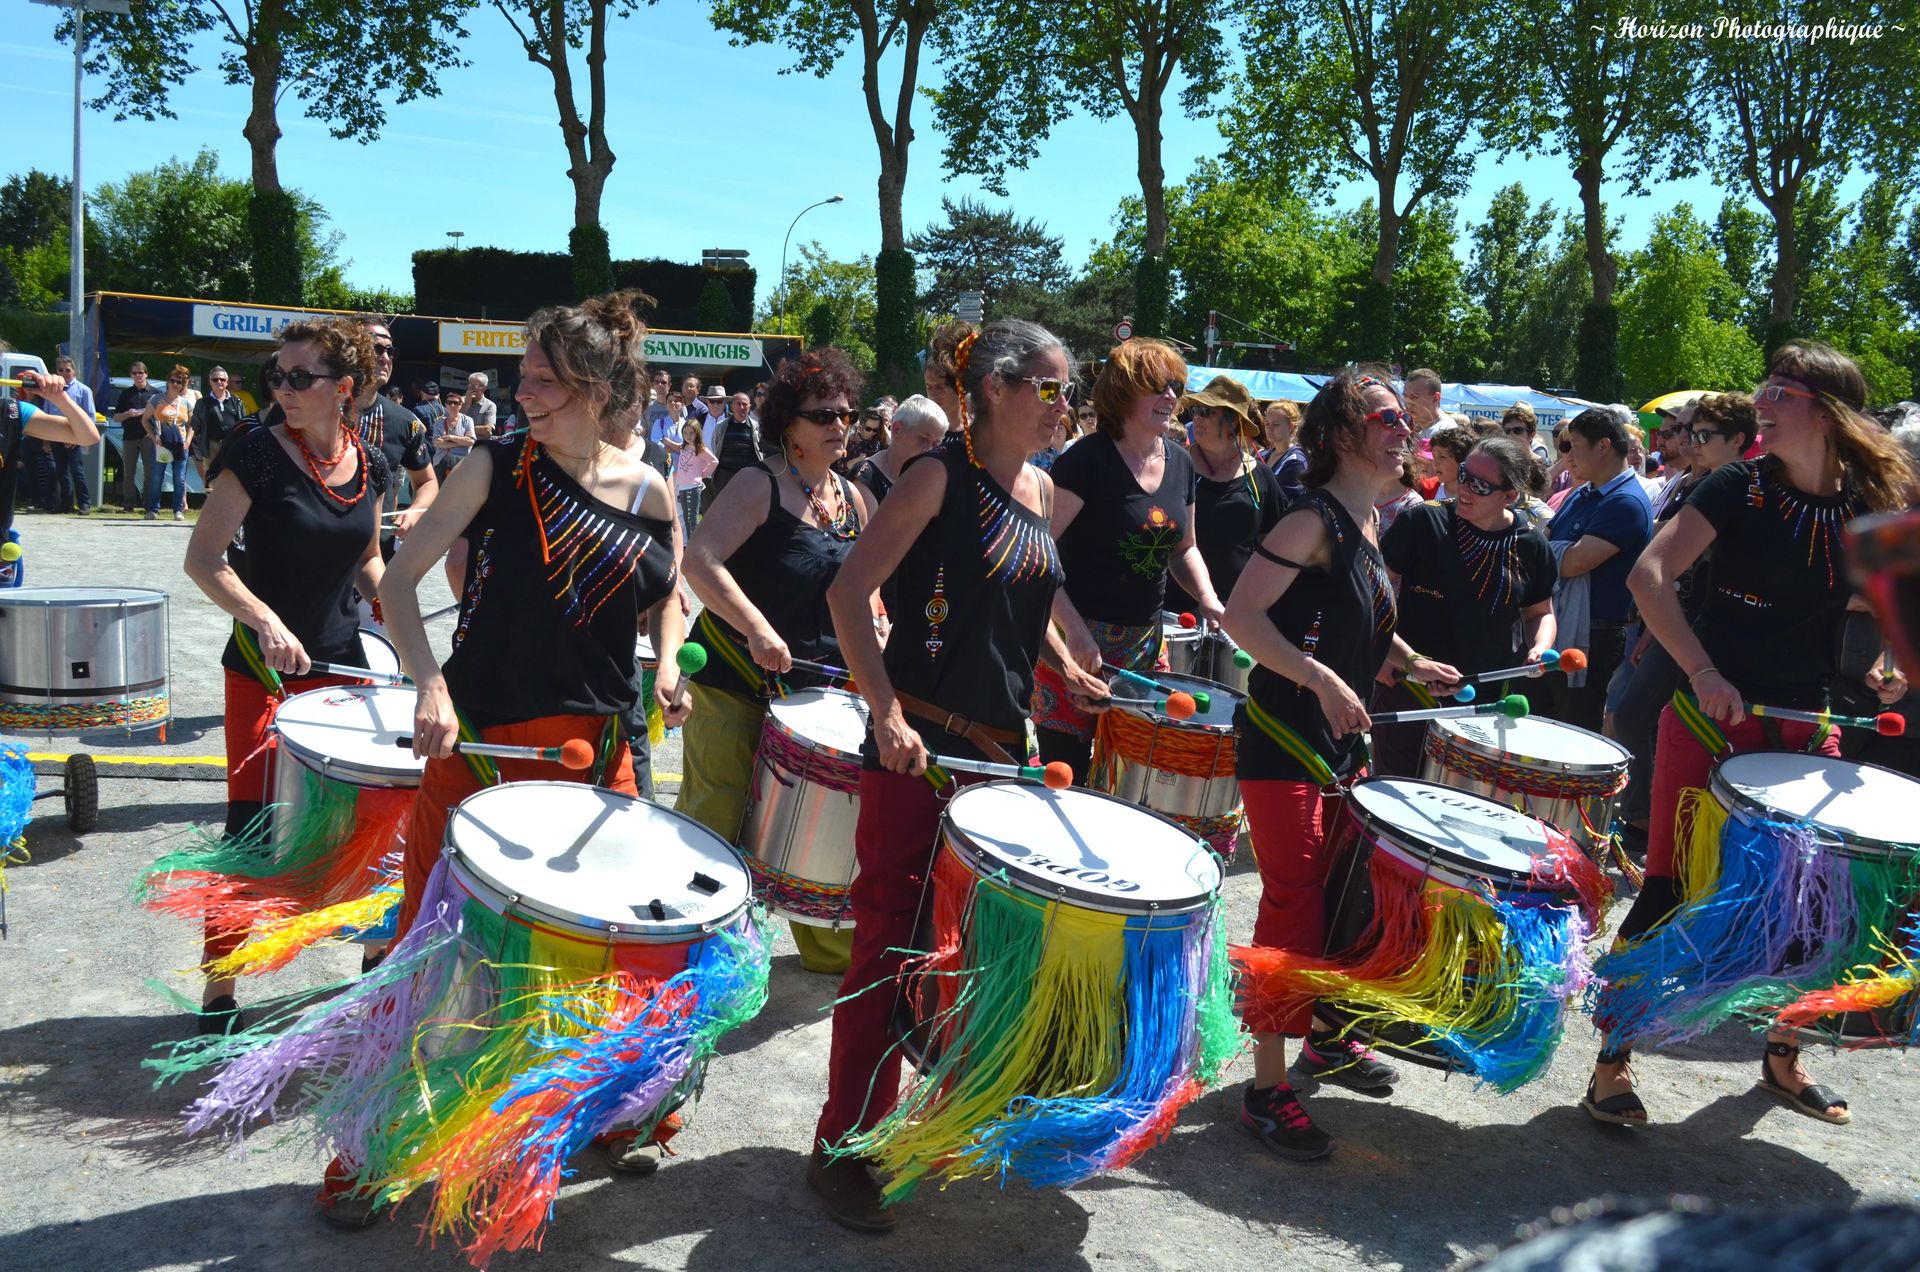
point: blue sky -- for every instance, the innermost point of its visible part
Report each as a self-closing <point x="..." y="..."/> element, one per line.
<point x="715" y="149"/>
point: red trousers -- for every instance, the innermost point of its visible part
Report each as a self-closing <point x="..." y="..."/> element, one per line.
<point x="444" y="783"/>
<point x="249" y="729"/>
<point x="1288" y="822"/>
<point x="894" y="843"/>
<point x="1680" y="762"/>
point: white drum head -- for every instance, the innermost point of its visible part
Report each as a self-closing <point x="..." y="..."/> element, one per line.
<point x="1092" y="850"/>
<point x="1462" y="835"/>
<point x="1859" y="804"/>
<point x="380" y="653"/>
<point x="830" y="719"/>
<point x="1535" y="741"/>
<point x="1216" y="714"/>
<point x="82" y="596"/>
<point x="352" y="732"/>
<point x="590" y="860"/>
<point x="643" y="651"/>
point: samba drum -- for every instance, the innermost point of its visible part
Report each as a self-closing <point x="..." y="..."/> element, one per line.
<point x="1456" y="933"/>
<point x="380" y="656"/>
<point x="1074" y="997"/>
<point x="1798" y="872"/>
<point x="1566" y="776"/>
<point x="803" y="806"/>
<point x="1182" y="644"/>
<point x="1214" y="661"/>
<point x="579" y="954"/>
<point x="1182" y="769"/>
<point x="83" y="659"/>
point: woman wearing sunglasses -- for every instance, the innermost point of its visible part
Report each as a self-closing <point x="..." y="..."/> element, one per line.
<point x="1767" y="632"/>
<point x="1475" y="583"/>
<point x="964" y="539"/>
<point x="761" y="561"/>
<point x="306" y="493"/>
<point x="169" y="425"/>
<point x="1123" y="517"/>
<point x="1237" y="499"/>
<point x="1315" y="608"/>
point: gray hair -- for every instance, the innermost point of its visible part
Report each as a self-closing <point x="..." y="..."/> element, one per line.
<point x="919" y="409"/>
<point x="1005" y="348"/>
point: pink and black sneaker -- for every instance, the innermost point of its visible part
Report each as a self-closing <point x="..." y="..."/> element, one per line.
<point x="1274" y="1116"/>
<point x="1343" y="1061"/>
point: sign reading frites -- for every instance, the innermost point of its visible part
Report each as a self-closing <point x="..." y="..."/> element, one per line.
<point x="679" y="350"/>
<point x="242" y="322"/>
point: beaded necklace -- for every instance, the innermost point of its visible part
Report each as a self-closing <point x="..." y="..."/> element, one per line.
<point x="840" y="527"/>
<point x="315" y="463"/>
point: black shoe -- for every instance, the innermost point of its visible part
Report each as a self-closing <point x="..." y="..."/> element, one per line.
<point x="221" y="1016"/>
<point x="850" y="1192"/>
<point x="1346" y="1062"/>
<point x="370" y="961"/>
<point x="1276" y="1118"/>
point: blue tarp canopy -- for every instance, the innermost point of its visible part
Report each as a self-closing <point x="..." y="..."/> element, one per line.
<point x="1265" y="385"/>
<point x="1479" y="400"/>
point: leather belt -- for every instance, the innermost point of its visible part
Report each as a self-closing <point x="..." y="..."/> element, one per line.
<point x="992" y="742"/>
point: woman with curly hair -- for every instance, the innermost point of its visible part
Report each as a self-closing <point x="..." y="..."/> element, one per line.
<point x="1766" y="632"/>
<point x="1315" y="608"/>
<point x="761" y="561"/>
<point x="1123" y="516"/>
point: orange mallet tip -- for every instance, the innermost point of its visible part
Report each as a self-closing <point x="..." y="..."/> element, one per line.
<point x="1057" y="776"/>
<point x="1573" y="660"/>
<point x="576" y="753"/>
<point x="1181" y="706"/>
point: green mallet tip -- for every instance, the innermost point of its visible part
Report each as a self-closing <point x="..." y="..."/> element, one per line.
<point x="1203" y="700"/>
<point x="1513" y="706"/>
<point x="1242" y="659"/>
<point x="692" y="657"/>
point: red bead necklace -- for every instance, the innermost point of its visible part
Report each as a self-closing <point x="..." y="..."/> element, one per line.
<point x="315" y="464"/>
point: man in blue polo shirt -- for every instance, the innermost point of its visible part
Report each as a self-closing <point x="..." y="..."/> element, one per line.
<point x="1597" y="535"/>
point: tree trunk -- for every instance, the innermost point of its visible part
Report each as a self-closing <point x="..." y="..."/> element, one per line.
<point x="1153" y="175"/>
<point x="262" y="129"/>
<point x="1786" y="265"/>
<point x="1600" y="262"/>
<point x="893" y="190"/>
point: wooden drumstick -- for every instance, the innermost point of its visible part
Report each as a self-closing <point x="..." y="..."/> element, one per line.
<point x="574" y="753"/>
<point x="1056" y="776"/>
<point x="1888" y="724"/>
<point x="1513" y="706"/>
<point x="362" y="673"/>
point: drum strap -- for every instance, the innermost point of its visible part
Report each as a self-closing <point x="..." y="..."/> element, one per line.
<point x="610" y="735"/>
<point x="1292" y="743"/>
<point x="482" y="765"/>
<point x="992" y="742"/>
<point x="1708" y="734"/>
<point x="248" y="643"/>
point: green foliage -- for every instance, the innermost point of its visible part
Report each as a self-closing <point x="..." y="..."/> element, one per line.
<point x="1082" y="313"/>
<point x="31" y="331"/>
<point x="1668" y="338"/>
<point x="36" y="277"/>
<point x="1546" y="354"/>
<point x="1744" y="238"/>
<point x="35" y="209"/>
<point x="495" y="283"/>
<point x="988" y="250"/>
<point x="1152" y="296"/>
<point x="846" y="287"/>
<point x="896" y="343"/>
<point x="1854" y="299"/>
<point x="331" y="291"/>
<point x="1509" y="255"/>
<point x="176" y="230"/>
<point x="591" y="261"/>
<point x="823" y="325"/>
<point x="714" y="310"/>
<point x="273" y="233"/>
<point x="1596" y="374"/>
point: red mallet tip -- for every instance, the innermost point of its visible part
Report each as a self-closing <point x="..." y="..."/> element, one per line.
<point x="576" y="753"/>
<point x="1573" y="660"/>
<point x="1189" y="622"/>
<point x="1889" y="724"/>
<point x="1057" y="776"/>
<point x="1181" y="706"/>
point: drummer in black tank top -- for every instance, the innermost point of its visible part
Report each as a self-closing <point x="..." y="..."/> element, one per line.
<point x="1315" y="609"/>
<point x="761" y="561"/>
<point x="964" y="539"/>
<point x="918" y="425"/>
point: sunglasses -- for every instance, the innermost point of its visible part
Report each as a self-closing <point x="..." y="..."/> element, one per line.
<point x="382" y="347"/>
<point x="826" y="416"/>
<point x="1480" y="485"/>
<point x="1050" y="390"/>
<point x="1701" y="436"/>
<point x="1390" y="417"/>
<point x="297" y="380"/>
<point x="1774" y="392"/>
<point x="1566" y="447"/>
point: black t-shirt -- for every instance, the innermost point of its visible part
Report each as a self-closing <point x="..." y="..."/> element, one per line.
<point x="302" y="546"/>
<point x="1117" y="549"/>
<point x="553" y="597"/>
<point x="1462" y="589"/>
<point x="1229" y="517"/>
<point x="13" y="452"/>
<point x="1772" y="616"/>
<point x="135" y="399"/>
<point x="976" y="590"/>
<point x="784" y="568"/>
<point x="398" y="434"/>
<point x="214" y="422"/>
<point x="1342" y="616"/>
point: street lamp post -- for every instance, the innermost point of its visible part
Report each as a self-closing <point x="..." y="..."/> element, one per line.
<point x="838" y="198"/>
<point x="456" y="236"/>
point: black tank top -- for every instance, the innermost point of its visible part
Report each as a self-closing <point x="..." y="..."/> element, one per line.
<point x="784" y="568"/>
<point x="555" y="589"/>
<point x="869" y="472"/>
<point x="975" y="592"/>
<point x="1343" y="616"/>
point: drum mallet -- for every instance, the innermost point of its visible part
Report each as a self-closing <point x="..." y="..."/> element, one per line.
<point x="1178" y="703"/>
<point x="690" y="660"/>
<point x="1888" y="724"/>
<point x="1513" y="706"/>
<point x="1241" y="658"/>
<point x="1056" y="776"/>
<point x="574" y="753"/>
<point x="362" y="673"/>
<point x="822" y="669"/>
<point x="1551" y="660"/>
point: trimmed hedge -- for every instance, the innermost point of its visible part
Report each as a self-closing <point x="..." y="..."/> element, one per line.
<point x="1596" y="367"/>
<point x="273" y="223"/>
<point x="494" y="283"/>
<point x="896" y="348"/>
<point x="1152" y="296"/>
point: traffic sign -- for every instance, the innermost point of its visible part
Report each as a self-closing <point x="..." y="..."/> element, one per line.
<point x="1123" y="330"/>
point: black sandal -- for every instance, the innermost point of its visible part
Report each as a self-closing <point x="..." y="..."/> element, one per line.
<point x="1813" y="1099"/>
<point x="1615" y="1110"/>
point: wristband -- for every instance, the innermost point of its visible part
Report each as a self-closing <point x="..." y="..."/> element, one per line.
<point x="1703" y="671"/>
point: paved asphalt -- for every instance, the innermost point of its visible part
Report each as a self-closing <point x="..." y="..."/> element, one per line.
<point x="96" y="1176"/>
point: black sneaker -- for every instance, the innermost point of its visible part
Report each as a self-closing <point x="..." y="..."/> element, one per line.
<point x="1276" y="1118"/>
<point x="221" y="1016"/>
<point x="1345" y="1062"/>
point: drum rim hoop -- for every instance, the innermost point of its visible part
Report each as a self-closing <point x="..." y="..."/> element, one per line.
<point x="1534" y="764"/>
<point x="852" y="757"/>
<point x="143" y="597"/>
<point x="353" y="773"/>
<point x="1748" y="810"/>
<point x="1395" y="836"/>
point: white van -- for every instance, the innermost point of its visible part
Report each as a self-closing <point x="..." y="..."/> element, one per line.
<point x="12" y="363"/>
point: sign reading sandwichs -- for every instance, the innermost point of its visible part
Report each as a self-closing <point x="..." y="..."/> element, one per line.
<point x="243" y="322"/>
<point x="680" y="350"/>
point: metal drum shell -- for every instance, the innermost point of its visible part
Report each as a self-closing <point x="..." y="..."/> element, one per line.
<point x="80" y="648"/>
<point x="1214" y="661"/>
<point x="1563" y="811"/>
<point x="798" y="827"/>
<point x="1182" y="645"/>
<point x="1174" y="794"/>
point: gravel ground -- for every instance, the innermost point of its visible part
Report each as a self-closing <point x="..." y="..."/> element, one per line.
<point x="97" y="1176"/>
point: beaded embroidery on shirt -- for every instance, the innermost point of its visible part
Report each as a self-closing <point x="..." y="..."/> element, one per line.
<point x="589" y="555"/>
<point x="1493" y="563"/>
<point x="1820" y="525"/>
<point x="1011" y="544"/>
